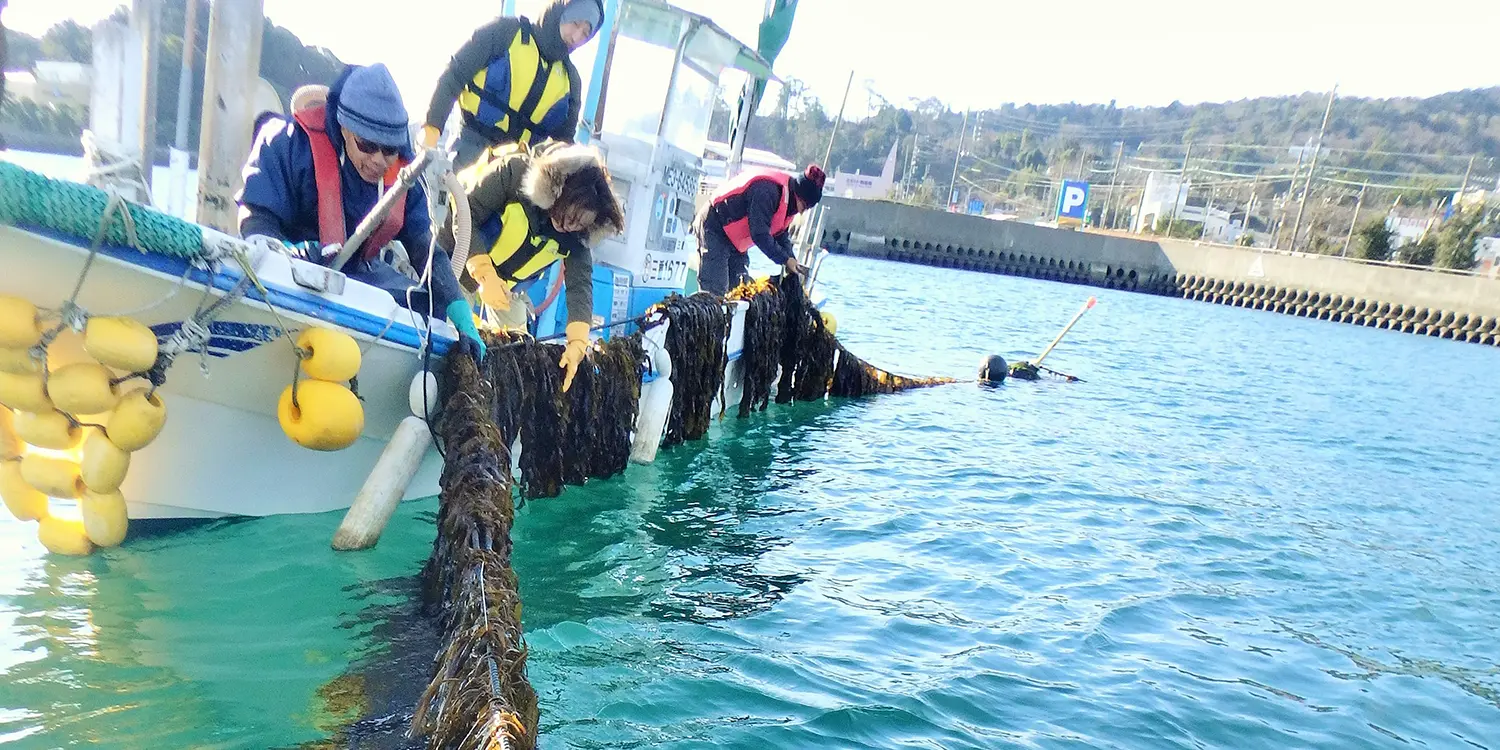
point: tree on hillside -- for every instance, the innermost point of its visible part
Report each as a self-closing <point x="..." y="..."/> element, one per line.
<point x="1373" y="241"/>
<point x="1420" y="253"/>
<point x="21" y="50"/>
<point x="285" y="62"/>
<point x="1457" y="236"/>
<point x="68" y="40"/>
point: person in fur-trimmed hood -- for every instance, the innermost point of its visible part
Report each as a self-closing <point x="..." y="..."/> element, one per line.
<point x="530" y="208"/>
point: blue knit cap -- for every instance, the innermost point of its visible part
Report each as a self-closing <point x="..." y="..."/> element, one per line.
<point x="586" y="11"/>
<point x="370" y="107"/>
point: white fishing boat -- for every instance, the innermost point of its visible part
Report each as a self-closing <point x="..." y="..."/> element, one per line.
<point x="236" y="311"/>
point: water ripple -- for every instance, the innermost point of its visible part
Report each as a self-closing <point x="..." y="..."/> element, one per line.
<point x="1242" y="531"/>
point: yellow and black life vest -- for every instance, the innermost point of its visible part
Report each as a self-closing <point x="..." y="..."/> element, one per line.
<point x="522" y="247"/>
<point x="518" y="95"/>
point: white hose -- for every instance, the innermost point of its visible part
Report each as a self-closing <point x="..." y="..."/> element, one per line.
<point x="462" y="225"/>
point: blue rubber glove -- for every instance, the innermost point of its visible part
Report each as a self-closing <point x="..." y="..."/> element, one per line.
<point x="462" y="318"/>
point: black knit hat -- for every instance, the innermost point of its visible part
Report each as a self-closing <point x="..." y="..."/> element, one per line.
<point x="809" y="185"/>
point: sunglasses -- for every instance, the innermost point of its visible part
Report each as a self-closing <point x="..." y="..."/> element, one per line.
<point x="370" y="147"/>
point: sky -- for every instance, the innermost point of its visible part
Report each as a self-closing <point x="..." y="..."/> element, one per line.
<point x="981" y="53"/>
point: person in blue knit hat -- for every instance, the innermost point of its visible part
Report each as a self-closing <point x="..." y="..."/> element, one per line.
<point x="309" y="181"/>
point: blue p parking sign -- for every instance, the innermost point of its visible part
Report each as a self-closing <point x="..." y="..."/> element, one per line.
<point x="1073" y="201"/>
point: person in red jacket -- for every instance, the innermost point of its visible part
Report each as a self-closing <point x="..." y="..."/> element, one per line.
<point x="755" y="208"/>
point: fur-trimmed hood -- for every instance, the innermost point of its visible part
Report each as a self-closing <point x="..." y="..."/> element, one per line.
<point x="552" y="164"/>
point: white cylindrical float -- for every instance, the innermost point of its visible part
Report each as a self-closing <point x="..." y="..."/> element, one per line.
<point x="383" y="490"/>
<point x="656" y="397"/>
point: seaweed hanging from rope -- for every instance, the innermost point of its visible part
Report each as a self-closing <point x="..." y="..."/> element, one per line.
<point x="760" y="359"/>
<point x="566" y="438"/>
<point x="479" y="697"/>
<point x="600" y="409"/>
<point x="813" y="364"/>
<point x="854" y="377"/>
<point x="807" y="346"/>
<point x="541" y="420"/>
<point x="696" y="344"/>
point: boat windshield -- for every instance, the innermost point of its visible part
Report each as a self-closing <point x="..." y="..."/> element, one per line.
<point x="646" y="97"/>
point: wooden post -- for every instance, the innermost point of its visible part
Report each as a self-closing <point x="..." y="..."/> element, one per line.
<point x="145" y="17"/>
<point x="231" y="75"/>
<point x="383" y="489"/>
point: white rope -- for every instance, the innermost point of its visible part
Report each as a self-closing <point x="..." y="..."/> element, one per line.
<point x="109" y="168"/>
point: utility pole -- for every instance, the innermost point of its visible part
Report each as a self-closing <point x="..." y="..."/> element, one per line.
<point x="1358" y="203"/>
<point x="911" y="167"/>
<point x="1114" y="181"/>
<point x="1177" y="197"/>
<point x="1312" y="168"/>
<point x="1249" y="206"/>
<point x="1467" y="173"/>
<point x="953" y="182"/>
<point x="1208" y="208"/>
<point x="1291" y="194"/>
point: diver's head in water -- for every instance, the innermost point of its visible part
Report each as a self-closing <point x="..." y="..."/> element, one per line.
<point x="993" y="370"/>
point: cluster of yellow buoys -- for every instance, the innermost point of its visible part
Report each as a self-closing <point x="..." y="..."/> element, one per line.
<point x="49" y="444"/>
<point x="325" y="415"/>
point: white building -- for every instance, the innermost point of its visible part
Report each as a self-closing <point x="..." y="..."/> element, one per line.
<point x="868" y="186"/>
<point x="1221" y="223"/>
<point x="1163" y="191"/>
<point x="1487" y="255"/>
<point x="52" y="82"/>
<point x="1406" y="229"/>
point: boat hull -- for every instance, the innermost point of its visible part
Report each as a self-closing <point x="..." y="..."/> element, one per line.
<point x="222" y="451"/>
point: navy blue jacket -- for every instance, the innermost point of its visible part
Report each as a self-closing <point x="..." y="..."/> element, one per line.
<point x="280" y="197"/>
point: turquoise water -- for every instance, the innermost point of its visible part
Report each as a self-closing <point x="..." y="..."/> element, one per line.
<point x="1243" y="530"/>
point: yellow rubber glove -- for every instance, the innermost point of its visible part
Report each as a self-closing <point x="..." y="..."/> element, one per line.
<point x="492" y="291"/>
<point x="430" y="136"/>
<point x="573" y="351"/>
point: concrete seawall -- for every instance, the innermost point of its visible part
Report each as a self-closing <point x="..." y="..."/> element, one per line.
<point x="1464" y="307"/>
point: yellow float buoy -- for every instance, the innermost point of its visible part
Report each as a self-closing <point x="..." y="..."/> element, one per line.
<point x="137" y="420"/>
<point x="83" y="388"/>
<point x="54" y="477"/>
<point x="24" y="502"/>
<point x="830" y="323"/>
<point x="18" y="324"/>
<point x="24" y="392"/>
<point x="121" y="343"/>
<point x="327" y="417"/>
<point x="18" y="361"/>
<point x="332" y="355"/>
<point x="64" y="536"/>
<point x="104" y="464"/>
<point x="105" y="519"/>
<point x="10" y="442"/>
<point x="47" y="430"/>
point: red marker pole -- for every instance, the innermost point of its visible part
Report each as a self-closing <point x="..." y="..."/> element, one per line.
<point x="1065" y="330"/>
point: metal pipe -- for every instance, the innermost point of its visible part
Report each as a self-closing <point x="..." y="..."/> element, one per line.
<point x="408" y="177"/>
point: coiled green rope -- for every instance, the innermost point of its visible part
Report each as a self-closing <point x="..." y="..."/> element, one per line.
<point x="28" y="199"/>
